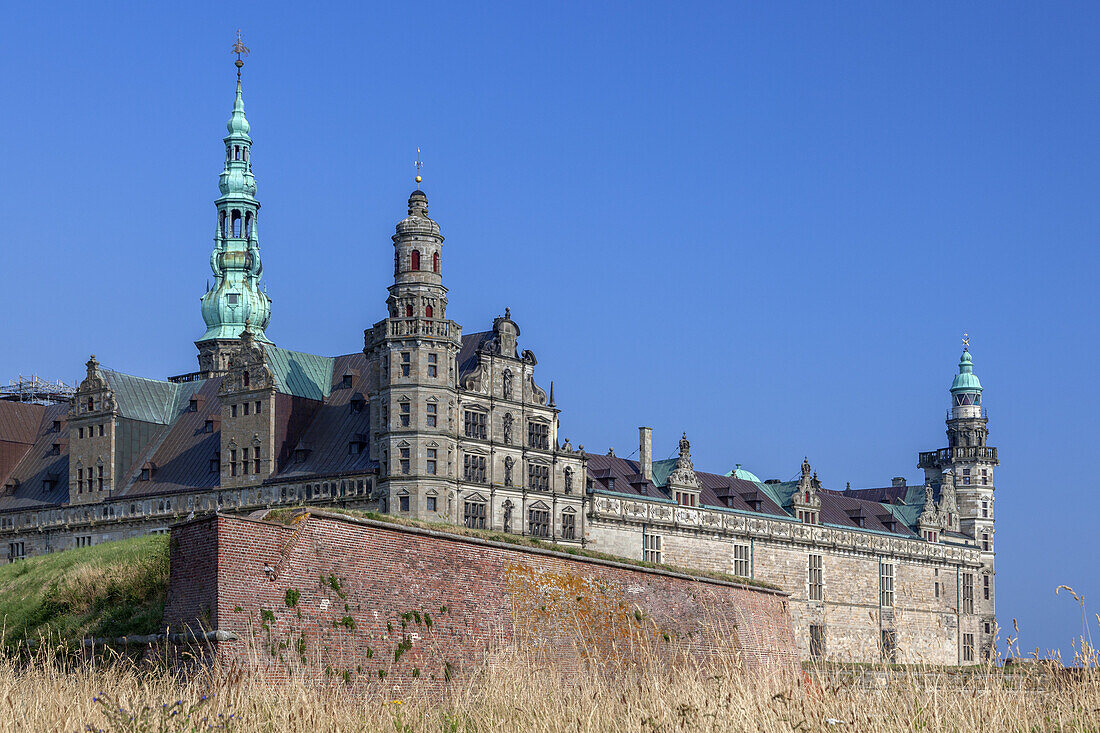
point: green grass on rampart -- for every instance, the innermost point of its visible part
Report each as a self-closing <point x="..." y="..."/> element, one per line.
<point x="288" y="514"/>
<point x="112" y="589"/>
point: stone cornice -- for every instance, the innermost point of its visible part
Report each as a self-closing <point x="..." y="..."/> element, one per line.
<point x="733" y="523"/>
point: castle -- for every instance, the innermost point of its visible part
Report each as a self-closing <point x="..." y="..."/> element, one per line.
<point x="432" y="423"/>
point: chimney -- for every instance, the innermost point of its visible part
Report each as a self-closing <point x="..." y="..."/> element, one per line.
<point x="899" y="481"/>
<point x="645" y="451"/>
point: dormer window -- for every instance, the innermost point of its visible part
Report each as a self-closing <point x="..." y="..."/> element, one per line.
<point x="687" y="498"/>
<point x="55" y="449"/>
<point x="357" y="403"/>
<point x="808" y="516"/>
<point x="347" y="381"/>
<point x="57" y="426"/>
<point x="210" y="425"/>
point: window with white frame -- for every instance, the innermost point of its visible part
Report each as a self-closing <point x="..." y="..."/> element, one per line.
<point x="816" y="579"/>
<point x="886" y="584"/>
<point x="651" y="547"/>
<point x="742" y="562"/>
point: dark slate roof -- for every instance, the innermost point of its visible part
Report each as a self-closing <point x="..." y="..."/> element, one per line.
<point x="728" y="492"/>
<point x="324" y="442"/>
<point x="138" y="398"/>
<point x="43" y="477"/>
<point x="19" y="422"/>
<point x="300" y="374"/>
<point x="181" y="455"/>
<point x="467" y="355"/>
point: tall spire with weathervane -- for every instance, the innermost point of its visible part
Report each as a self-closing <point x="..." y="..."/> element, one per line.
<point x="236" y="296"/>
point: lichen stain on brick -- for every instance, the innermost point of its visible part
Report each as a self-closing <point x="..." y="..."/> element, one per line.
<point x="592" y="615"/>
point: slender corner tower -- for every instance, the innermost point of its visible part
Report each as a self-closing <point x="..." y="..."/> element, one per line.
<point x="236" y="297"/>
<point x="412" y="384"/>
<point x="967" y="464"/>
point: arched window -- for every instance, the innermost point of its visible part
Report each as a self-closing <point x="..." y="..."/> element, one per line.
<point x="248" y="224"/>
<point x="408" y="311"/>
<point x="807" y="497"/>
<point x="236" y="152"/>
<point x="221" y="224"/>
<point x="415" y="260"/>
<point x="246" y="153"/>
<point x="428" y="312"/>
<point x="236" y="223"/>
<point x="435" y="262"/>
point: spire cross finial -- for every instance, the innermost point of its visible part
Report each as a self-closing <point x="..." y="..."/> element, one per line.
<point x="419" y="164"/>
<point x="966" y="342"/>
<point x="241" y="50"/>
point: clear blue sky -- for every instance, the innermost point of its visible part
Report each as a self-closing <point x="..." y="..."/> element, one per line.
<point x="766" y="224"/>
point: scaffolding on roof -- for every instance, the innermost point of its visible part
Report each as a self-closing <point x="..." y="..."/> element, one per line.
<point x="37" y="391"/>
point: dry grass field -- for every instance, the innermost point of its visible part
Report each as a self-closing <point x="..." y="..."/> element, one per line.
<point x="514" y="694"/>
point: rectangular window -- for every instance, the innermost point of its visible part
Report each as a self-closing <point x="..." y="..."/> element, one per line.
<point x="405" y="460"/>
<point x="433" y="368"/>
<point x="538" y="477"/>
<point x="403" y="502"/>
<point x="817" y="641"/>
<point x="85" y="541"/>
<point x="968" y="593"/>
<point x="16" y="551"/>
<point x="80" y="432"/>
<point x="256" y="461"/>
<point x="966" y="476"/>
<point x="817" y="585"/>
<point x="431" y="503"/>
<point x="432" y="416"/>
<point x="742" y="565"/>
<point x="406" y="363"/>
<point x="244" y="461"/>
<point x="246" y="408"/>
<point x="538" y="522"/>
<point x="474" y="424"/>
<point x="538" y="435"/>
<point x="101" y="431"/>
<point x="232" y="410"/>
<point x="986" y="544"/>
<point x="568" y="526"/>
<point x="215" y="463"/>
<point x="936" y="585"/>
<point x="968" y="647"/>
<point x="889" y="645"/>
<point x="985" y="477"/>
<point x="473" y="468"/>
<point x="985" y="587"/>
<point x="233" y="463"/>
<point x="651" y="547"/>
<point x="258" y="403"/>
<point x="431" y="461"/>
<point x="886" y="584"/>
<point x="686" y="498"/>
<point x="406" y="414"/>
<point x="985" y="509"/>
<point x="473" y="514"/>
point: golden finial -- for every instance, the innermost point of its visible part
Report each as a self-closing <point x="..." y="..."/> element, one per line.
<point x="241" y="50"/>
<point x="966" y="342"/>
<point x="419" y="164"/>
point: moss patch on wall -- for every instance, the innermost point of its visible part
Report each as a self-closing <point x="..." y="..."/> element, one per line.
<point x="112" y="589"/>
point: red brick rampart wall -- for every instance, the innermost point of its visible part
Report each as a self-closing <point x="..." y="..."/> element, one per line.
<point x="340" y="598"/>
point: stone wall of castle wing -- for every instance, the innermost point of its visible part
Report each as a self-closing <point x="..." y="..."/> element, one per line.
<point x="924" y="620"/>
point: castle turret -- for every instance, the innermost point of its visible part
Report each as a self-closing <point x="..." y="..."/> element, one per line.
<point x="412" y="382"/>
<point x="963" y="473"/>
<point x="236" y="297"/>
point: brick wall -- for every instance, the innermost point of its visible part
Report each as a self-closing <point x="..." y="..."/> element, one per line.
<point x="338" y="598"/>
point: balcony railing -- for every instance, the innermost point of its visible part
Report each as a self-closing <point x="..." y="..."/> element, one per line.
<point x="944" y="456"/>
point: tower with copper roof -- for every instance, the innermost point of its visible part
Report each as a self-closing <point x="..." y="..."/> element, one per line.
<point x="236" y="298"/>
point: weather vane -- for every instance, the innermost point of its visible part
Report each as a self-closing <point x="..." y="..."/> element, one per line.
<point x="241" y="50"/>
<point x="419" y="164"/>
<point x="966" y="342"/>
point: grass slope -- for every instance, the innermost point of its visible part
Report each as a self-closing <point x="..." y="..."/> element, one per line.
<point x="112" y="589"/>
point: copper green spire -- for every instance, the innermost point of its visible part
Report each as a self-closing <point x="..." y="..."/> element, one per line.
<point x="236" y="297"/>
